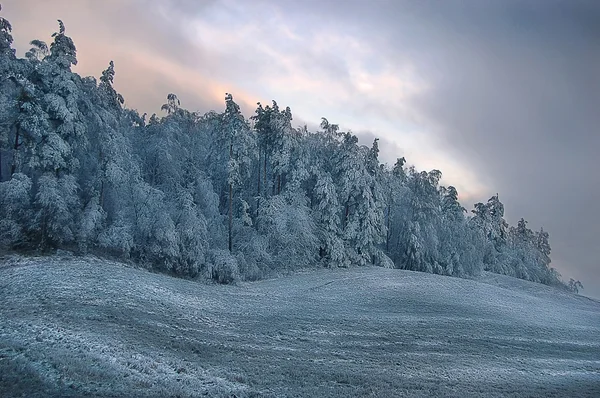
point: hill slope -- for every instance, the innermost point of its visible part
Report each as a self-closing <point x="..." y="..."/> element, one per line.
<point x="85" y="327"/>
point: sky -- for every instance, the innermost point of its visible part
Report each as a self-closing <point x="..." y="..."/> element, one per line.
<point x="501" y="96"/>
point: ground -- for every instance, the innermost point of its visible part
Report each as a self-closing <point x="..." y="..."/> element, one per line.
<point x="73" y="327"/>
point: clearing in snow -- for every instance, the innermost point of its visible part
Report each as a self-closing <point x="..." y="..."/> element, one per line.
<point x="86" y="327"/>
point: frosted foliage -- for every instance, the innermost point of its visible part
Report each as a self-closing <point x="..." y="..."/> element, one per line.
<point x="57" y="108"/>
<point x="382" y="260"/>
<point x="62" y="49"/>
<point x="33" y="120"/>
<point x="329" y="210"/>
<point x="113" y="98"/>
<point x="245" y="213"/>
<point x="291" y="233"/>
<point x="15" y="209"/>
<point x="414" y="256"/>
<point x="115" y="172"/>
<point x="191" y="229"/>
<point x="55" y="154"/>
<point x="370" y="224"/>
<point x="233" y="175"/>
<point x="6" y="38"/>
<point x="91" y="224"/>
<point x="38" y="52"/>
<point x="56" y="205"/>
<point x="222" y="267"/>
<point x="206" y="199"/>
<point x="117" y="238"/>
<point x="239" y="141"/>
<point x="155" y="236"/>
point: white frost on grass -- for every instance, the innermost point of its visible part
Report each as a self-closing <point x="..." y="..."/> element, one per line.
<point x="73" y="327"/>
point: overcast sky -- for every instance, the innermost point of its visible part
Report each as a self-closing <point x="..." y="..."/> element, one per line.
<point x="501" y="96"/>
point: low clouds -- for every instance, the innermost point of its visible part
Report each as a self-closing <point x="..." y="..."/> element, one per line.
<point x="500" y="96"/>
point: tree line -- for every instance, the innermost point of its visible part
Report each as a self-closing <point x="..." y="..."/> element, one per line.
<point x="220" y="196"/>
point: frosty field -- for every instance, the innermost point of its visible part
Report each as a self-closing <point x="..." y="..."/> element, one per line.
<point x="84" y="327"/>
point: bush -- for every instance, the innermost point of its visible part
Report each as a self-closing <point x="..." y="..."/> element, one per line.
<point x="222" y="267"/>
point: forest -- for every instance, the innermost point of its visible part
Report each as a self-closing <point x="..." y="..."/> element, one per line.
<point x="220" y="196"/>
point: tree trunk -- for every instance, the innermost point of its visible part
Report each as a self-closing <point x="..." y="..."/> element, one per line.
<point x="346" y="212"/>
<point x="278" y="184"/>
<point x="230" y="202"/>
<point x="258" y="196"/>
<point x="13" y="167"/>
<point x="102" y="177"/>
<point x="387" y="232"/>
<point x="265" y="174"/>
<point x="101" y="194"/>
<point x="230" y="215"/>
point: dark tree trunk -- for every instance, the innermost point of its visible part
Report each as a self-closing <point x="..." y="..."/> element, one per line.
<point x="230" y="203"/>
<point x="266" y="187"/>
<point x="388" y="232"/>
<point x="278" y="184"/>
<point x="230" y="215"/>
<point x="258" y="196"/>
<point x="346" y="212"/>
<point x="102" y="194"/>
<point x="13" y="167"/>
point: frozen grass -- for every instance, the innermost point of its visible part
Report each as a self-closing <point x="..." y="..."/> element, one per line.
<point x="84" y="327"/>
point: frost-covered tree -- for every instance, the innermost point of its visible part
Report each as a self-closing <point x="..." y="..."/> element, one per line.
<point x="38" y="51"/>
<point x="488" y="218"/>
<point x="274" y="130"/>
<point x="8" y="93"/>
<point x="291" y="233"/>
<point x="240" y="144"/>
<point x="361" y="199"/>
<point x="421" y="219"/>
<point x="111" y="96"/>
<point x="6" y="39"/>
<point x="62" y="50"/>
<point x="55" y="202"/>
<point x="172" y="104"/>
<point x="328" y="216"/>
<point x="393" y="184"/>
<point x="574" y="285"/>
<point x="15" y="209"/>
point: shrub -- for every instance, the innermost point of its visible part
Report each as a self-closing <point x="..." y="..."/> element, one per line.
<point x="222" y="267"/>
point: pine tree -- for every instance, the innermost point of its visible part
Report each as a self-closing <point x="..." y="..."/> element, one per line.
<point x="38" y="52"/>
<point x="240" y="145"/>
<point x="62" y="50"/>
<point x="6" y="40"/>
<point x="328" y="211"/>
<point x="15" y="209"/>
<point x="172" y="104"/>
<point x="7" y="94"/>
<point x="56" y="204"/>
<point x="112" y="98"/>
<point x="488" y="219"/>
<point x="394" y="181"/>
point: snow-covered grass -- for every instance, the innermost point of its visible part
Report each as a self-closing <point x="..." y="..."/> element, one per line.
<point x="87" y="327"/>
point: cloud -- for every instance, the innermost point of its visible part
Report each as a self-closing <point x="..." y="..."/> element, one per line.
<point x="326" y="73"/>
<point x="518" y="102"/>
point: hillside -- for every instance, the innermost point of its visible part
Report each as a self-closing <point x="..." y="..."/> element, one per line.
<point x="85" y="327"/>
